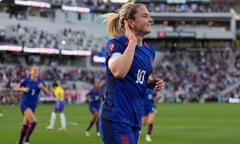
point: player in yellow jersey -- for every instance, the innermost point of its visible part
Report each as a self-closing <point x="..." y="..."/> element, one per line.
<point x="58" y="107"/>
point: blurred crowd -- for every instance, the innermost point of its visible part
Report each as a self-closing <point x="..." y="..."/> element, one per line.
<point x="195" y="75"/>
<point x="101" y="6"/>
<point x="200" y="75"/>
<point x="153" y="6"/>
<point x="190" y="76"/>
<point x="35" y="38"/>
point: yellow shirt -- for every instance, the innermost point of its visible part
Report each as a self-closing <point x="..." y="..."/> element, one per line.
<point x="59" y="93"/>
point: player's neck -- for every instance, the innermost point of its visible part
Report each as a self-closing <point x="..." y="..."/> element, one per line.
<point x="33" y="78"/>
<point x="139" y="41"/>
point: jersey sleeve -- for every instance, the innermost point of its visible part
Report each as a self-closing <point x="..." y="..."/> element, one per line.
<point x="154" y="93"/>
<point x="23" y="82"/>
<point x="88" y="93"/>
<point x="101" y="94"/>
<point x="43" y="82"/>
<point x="112" y="47"/>
<point x="153" y="51"/>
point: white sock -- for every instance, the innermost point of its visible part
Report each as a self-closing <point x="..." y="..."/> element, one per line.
<point x="53" y="119"/>
<point x="63" y="120"/>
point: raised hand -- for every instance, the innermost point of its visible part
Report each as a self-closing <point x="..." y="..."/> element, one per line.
<point x="129" y="33"/>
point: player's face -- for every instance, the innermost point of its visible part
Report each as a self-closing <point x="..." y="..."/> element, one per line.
<point x="34" y="72"/>
<point x="142" y="21"/>
<point x="97" y="86"/>
<point x="54" y="87"/>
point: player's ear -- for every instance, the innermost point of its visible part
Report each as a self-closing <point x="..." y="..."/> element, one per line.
<point x="131" y="23"/>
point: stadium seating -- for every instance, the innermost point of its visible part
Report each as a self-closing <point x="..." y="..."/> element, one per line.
<point x="193" y="75"/>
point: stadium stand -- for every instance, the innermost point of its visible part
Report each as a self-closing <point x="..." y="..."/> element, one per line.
<point x="192" y="72"/>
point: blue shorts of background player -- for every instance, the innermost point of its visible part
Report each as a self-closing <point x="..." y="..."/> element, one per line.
<point x="59" y="106"/>
<point x="26" y="106"/>
<point x="148" y="110"/>
<point x="94" y="109"/>
<point x="118" y="133"/>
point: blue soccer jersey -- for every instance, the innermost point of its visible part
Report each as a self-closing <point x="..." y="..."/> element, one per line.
<point x="96" y="97"/>
<point x="30" y="98"/>
<point x="124" y="97"/>
<point x="148" y="105"/>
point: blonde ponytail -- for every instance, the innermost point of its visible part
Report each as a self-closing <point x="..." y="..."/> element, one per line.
<point x="112" y="21"/>
<point x="115" y="21"/>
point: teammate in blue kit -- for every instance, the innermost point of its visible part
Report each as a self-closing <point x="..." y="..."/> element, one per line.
<point x="31" y="87"/>
<point x="94" y="98"/>
<point x="149" y="111"/>
<point x="129" y="63"/>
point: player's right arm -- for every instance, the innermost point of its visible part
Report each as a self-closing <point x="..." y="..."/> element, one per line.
<point x="21" y="88"/>
<point x="119" y="65"/>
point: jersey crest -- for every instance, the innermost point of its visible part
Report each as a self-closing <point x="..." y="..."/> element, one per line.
<point x="111" y="46"/>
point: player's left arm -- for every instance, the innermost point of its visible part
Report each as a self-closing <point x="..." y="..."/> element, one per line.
<point x="89" y="99"/>
<point x="102" y="96"/>
<point x="42" y="86"/>
<point x="157" y="97"/>
<point x="155" y="83"/>
<point x="159" y="85"/>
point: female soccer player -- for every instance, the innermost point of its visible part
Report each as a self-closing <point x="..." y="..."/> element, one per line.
<point x="1" y="114"/>
<point x="94" y="97"/>
<point x="149" y="111"/>
<point x="58" y="92"/>
<point x="31" y="87"/>
<point x="129" y="63"/>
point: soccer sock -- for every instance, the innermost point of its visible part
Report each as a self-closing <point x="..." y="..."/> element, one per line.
<point x="23" y="133"/>
<point x="53" y="119"/>
<point x="150" y="128"/>
<point x="63" y="120"/>
<point x="90" y="124"/>
<point x="30" y="130"/>
<point x="97" y="128"/>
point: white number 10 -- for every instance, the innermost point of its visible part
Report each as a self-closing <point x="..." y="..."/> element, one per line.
<point x="33" y="92"/>
<point x="140" y="76"/>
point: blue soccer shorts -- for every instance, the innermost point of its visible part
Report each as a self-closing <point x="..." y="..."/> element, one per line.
<point x="59" y="106"/>
<point x="118" y="133"/>
<point x="94" y="108"/>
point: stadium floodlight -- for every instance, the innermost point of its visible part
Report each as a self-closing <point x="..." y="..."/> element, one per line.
<point x="63" y="42"/>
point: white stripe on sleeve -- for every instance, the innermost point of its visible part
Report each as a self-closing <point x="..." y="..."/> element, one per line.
<point x="113" y="57"/>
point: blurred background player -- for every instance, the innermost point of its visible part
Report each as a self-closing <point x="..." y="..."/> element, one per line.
<point x="1" y="100"/>
<point x="149" y="111"/>
<point x="58" y="92"/>
<point x="94" y="98"/>
<point x="31" y="87"/>
<point x="1" y="114"/>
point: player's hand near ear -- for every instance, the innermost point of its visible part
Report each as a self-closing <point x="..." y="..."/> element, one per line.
<point x="129" y="33"/>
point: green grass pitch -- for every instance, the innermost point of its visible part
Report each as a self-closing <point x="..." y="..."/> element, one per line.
<point x="174" y="124"/>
